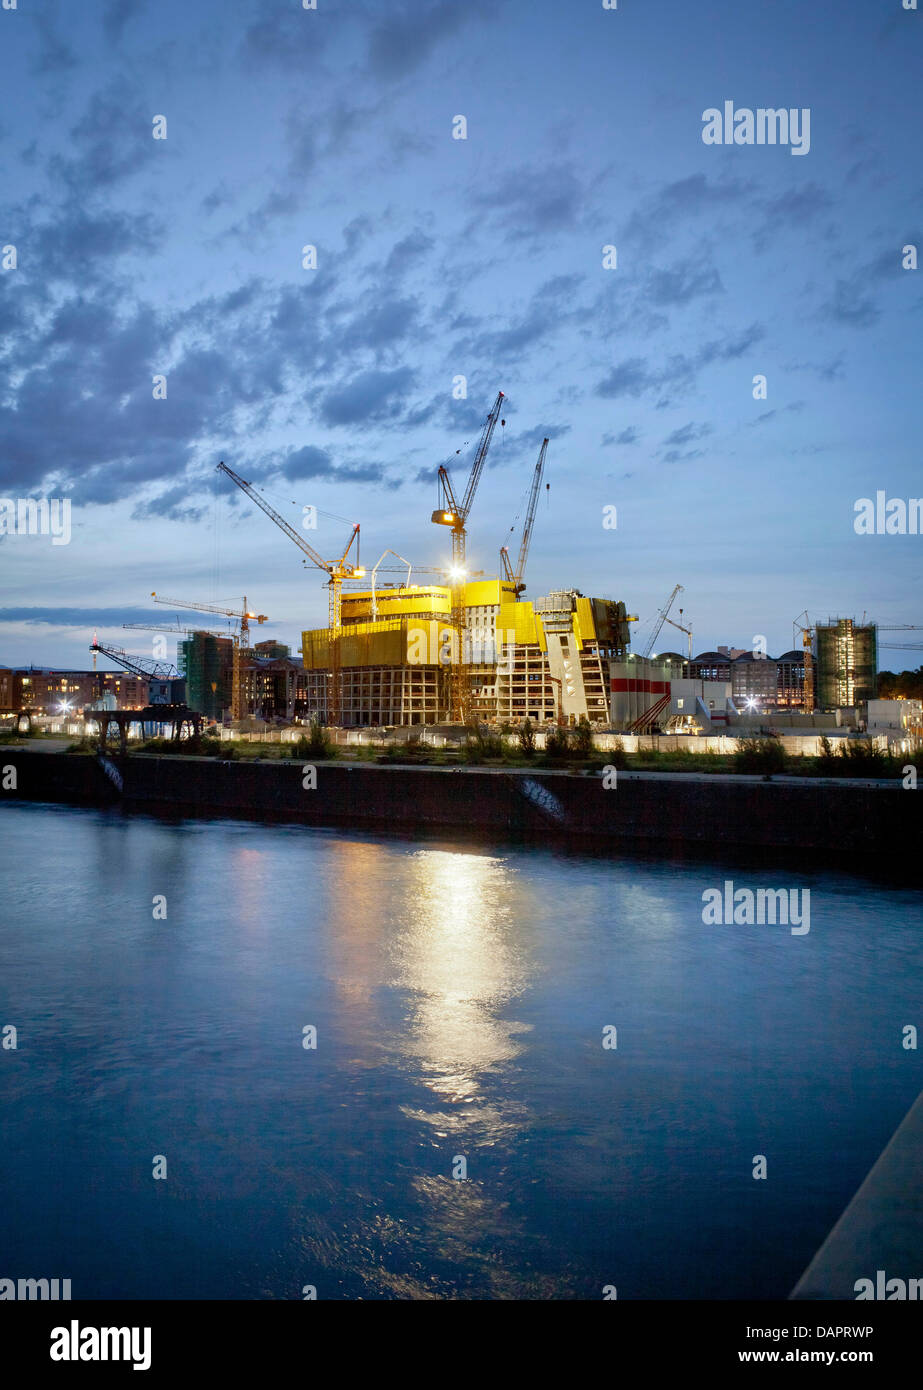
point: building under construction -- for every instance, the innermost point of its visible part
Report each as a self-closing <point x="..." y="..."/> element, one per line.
<point x="544" y="660"/>
<point x="207" y="663"/>
<point x="846" y="662"/>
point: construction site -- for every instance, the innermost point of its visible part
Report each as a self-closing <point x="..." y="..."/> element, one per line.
<point x="407" y="646"/>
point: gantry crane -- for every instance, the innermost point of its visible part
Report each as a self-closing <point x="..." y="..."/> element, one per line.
<point x="455" y="514"/>
<point x="661" y="619"/>
<point x="144" y="666"/>
<point x="242" y="643"/>
<point x="527" y="525"/>
<point x="336" y="570"/>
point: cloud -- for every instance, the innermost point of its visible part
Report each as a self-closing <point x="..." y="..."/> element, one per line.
<point x="678" y="201"/>
<point x="174" y="504"/>
<point x="683" y="282"/>
<point x="401" y="43"/>
<point x="634" y="377"/>
<point x="688" y="434"/>
<point x="407" y="253"/>
<point x="629" y="378"/>
<point x="80" y="617"/>
<point x="112" y="140"/>
<point x="54" y="55"/>
<point x="827" y="371"/>
<point x="308" y="462"/>
<point x="372" y="395"/>
<point x="531" y="202"/>
<point x="386" y="322"/>
<point x="552" y="305"/>
<point x="291" y="38"/>
<point x="628" y="436"/>
<point x="117" y="14"/>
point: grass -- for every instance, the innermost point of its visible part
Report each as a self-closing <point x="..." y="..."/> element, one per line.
<point x="566" y="750"/>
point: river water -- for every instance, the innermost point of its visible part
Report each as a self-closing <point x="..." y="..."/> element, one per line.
<point x="460" y="996"/>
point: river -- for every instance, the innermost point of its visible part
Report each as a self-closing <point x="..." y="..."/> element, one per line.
<point x="458" y="1130"/>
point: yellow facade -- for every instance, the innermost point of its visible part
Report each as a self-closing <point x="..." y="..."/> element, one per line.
<point x="389" y="642"/>
<point x="413" y="628"/>
<point x="519" y="618"/>
<point x="480" y="593"/>
<point x="415" y="600"/>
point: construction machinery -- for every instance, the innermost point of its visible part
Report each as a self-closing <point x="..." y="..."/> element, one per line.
<point x="517" y="576"/>
<point x="165" y="685"/>
<point x="243" y="616"/>
<point x="661" y="618"/>
<point x="900" y="646"/>
<point x="807" y="643"/>
<point x="681" y="628"/>
<point x="336" y="571"/>
<point x="455" y="514"/>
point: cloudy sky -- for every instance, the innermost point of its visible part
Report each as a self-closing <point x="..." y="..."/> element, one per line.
<point x="440" y="258"/>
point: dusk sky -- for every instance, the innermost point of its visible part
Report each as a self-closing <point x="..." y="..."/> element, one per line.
<point x="438" y="258"/>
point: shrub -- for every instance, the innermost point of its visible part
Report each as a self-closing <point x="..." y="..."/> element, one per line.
<point x="527" y="739"/>
<point x="616" y="755"/>
<point x="760" y="755"/>
<point x="482" y="744"/>
<point x="826" y="758"/>
<point x="581" y="739"/>
<point x="556" y="743"/>
<point x="316" y="744"/>
<point x="862" y="759"/>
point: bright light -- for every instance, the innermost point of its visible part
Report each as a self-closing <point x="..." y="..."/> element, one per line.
<point x="456" y="573"/>
<point x="751" y="702"/>
<point x="64" y="706"/>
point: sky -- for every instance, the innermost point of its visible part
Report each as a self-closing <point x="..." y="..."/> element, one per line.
<point x="337" y="386"/>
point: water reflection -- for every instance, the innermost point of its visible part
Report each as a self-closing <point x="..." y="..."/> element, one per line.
<point x="462" y="953"/>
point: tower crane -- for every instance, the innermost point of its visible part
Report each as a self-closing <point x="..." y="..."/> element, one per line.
<point x="680" y="628"/>
<point x="900" y="646"/>
<point x="807" y="643"/>
<point x="243" y="643"/>
<point x="527" y="525"/>
<point x="455" y="514"/>
<point x="336" y="571"/>
<point x="661" y="619"/>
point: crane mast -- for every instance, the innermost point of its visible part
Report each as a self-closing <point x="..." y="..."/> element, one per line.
<point x="530" y="517"/>
<point x="455" y="514"/>
<point x="661" y="619"/>
<point x="336" y="571"/>
<point x="243" y="642"/>
<point x="807" y="645"/>
<point x="452" y="513"/>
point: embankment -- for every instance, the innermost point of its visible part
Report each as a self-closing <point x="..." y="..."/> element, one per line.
<point x="869" y="820"/>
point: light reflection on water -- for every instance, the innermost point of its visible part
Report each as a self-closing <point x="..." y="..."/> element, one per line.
<point x="459" y="997"/>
